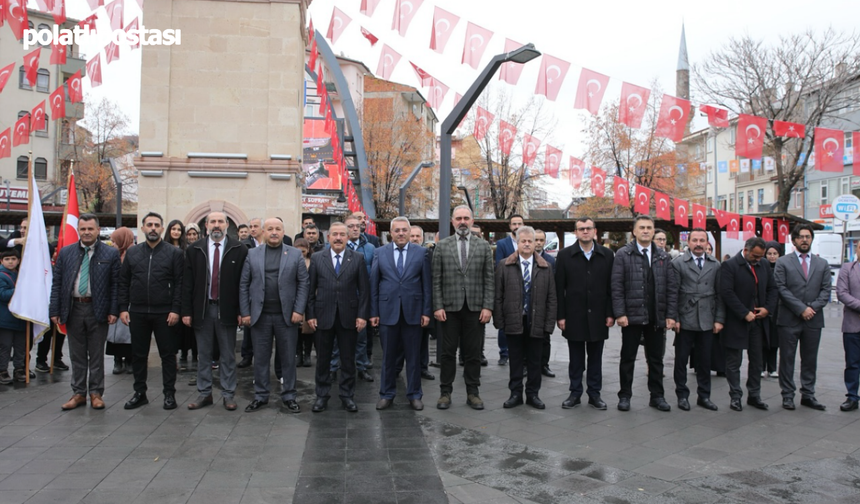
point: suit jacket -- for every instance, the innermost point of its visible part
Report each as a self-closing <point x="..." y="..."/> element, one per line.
<point x="196" y="283"/>
<point x="549" y="260"/>
<point x="738" y="293"/>
<point x="797" y="292"/>
<point x="454" y="287"/>
<point x="699" y="304"/>
<point x="504" y="248"/>
<point x="249" y="242"/>
<point x="508" y="302"/>
<point x="390" y="293"/>
<point x="584" y="293"/>
<point x="848" y="293"/>
<point x="292" y="283"/>
<point x="103" y="279"/>
<point x="347" y="294"/>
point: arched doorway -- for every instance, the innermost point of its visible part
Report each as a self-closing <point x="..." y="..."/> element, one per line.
<point x="235" y="215"/>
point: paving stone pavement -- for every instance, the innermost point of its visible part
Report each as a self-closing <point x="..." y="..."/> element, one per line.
<point x="464" y="456"/>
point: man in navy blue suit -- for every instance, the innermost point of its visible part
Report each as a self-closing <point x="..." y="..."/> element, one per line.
<point x="400" y="290"/>
<point x="540" y="243"/>
<point x="504" y="248"/>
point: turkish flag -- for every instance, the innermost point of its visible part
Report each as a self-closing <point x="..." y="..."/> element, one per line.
<point x="37" y="118"/>
<point x="94" y="70"/>
<point x="700" y="216"/>
<point x="789" y="129"/>
<point x="722" y="217"/>
<point x="58" y="103"/>
<point x="328" y="122"/>
<point x="111" y="52"/>
<point x="577" y="168"/>
<point x="58" y="54"/>
<point x="590" y="91"/>
<point x="89" y="23"/>
<point x="59" y="11"/>
<point x="507" y="133"/>
<point x="829" y="149"/>
<point x="477" y="39"/>
<point x="6" y="143"/>
<point x="733" y="226"/>
<point x="437" y="93"/>
<point x="551" y="75"/>
<point x="682" y="215"/>
<point x="31" y="66"/>
<point x="404" y="11"/>
<point x="368" y="7"/>
<point x="598" y="181"/>
<point x="530" y="148"/>
<point x="782" y="230"/>
<point x="855" y="147"/>
<point x="483" y="120"/>
<point x="717" y="117"/>
<point x="750" y="136"/>
<point x="767" y="229"/>
<point x="369" y="36"/>
<point x="634" y="101"/>
<point x="114" y="10"/>
<point x="749" y="227"/>
<point x="424" y="78"/>
<point x="339" y="22"/>
<point x="642" y="201"/>
<point x="16" y="15"/>
<point x="5" y="73"/>
<point x="552" y="162"/>
<point x="443" y="25"/>
<point x="133" y="26"/>
<point x="95" y="3"/>
<point x="620" y="191"/>
<point x="672" y="118"/>
<point x="661" y="202"/>
<point x="388" y="59"/>
<point x="69" y="229"/>
<point x="76" y="92"/>
<point x="22" y="131"/>
<point x="312" y="59"/>
<point x="510" y="71"/>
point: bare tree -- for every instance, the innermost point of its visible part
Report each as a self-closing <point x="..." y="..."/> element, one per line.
<point x="804" y="78"/>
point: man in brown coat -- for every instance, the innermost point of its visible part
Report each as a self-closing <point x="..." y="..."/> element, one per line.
<point x="525" y="308"/>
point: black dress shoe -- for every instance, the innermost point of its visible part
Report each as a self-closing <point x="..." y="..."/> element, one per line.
<point x="307" y="360"/>
<point x="320" y="404"/>
<point x="136" y="401"/>
<point x="503" y="361"/>
<point x="364" y="375"/>
<point x="571" y="402"/>
<point x="255" y="406"/>
<point x="416" y="404"/>
<point x="788" y="403"/>
<point x="245" y="362"/>
<point x="546" y="371"/>
<point x="535" y="402"/>
<point x="383" y="403"/>
<point x="684" y="404"/>
<point x="349" y="405"/>
<point x="485" y="362"/>
<point x="169" y="402"/>
<point x="427" y="375"/>
<point x="736" y="405"/>
<point x="292" y="406"/>
<point x="624" y="404"/>
<point x="707" y="404"/>
<point x="597" y="403"/>
<point x="61" y="366"/>
<point x="848" y="405"/>
<point x="660" y="404"/>
<point x="756" y="402"/>
<point x="514" y="401"/>
<point x="811" y="402"/>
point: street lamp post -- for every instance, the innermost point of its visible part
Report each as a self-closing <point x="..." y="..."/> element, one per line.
<point x="521" y="55"/>
<point x="406" y="184"/>
<point x="118" y="181"/>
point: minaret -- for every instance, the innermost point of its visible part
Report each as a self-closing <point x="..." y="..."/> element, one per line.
<point x="682" y="76"/>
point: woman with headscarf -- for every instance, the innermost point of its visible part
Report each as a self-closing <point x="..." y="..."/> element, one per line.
<point x="770" y="345"/>
<point x="192" y="233"/>
<point x="119" y="336"/>
<point x="174" y="234"/>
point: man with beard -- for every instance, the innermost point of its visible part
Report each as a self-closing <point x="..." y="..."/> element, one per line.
<point x="211" y="306"/>
<point x="463" y="296"/>
<point x="150" y="300"/>
<point x="803" y="281"/>
<point x="312" y="235"/>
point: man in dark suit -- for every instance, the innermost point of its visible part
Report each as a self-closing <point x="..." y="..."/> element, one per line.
<point x="400" y="306"/>
<point x="338" y="307"/>
<point x="463" y="294"/>
<point x="748" y="290"/>
<point x="416" y="237"/>
<point x="371" y="239"/>
<point x="803" y="281"/>
<point x="84" y="297"/>
<point x="504" y="248"/>
<point x="273" y="293"/>
<point x="540" y="243"/>
<point x="583" y="280"/>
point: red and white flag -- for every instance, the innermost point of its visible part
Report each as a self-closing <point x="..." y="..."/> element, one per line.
<point x="577" y="168"/>
<point x="115" y="14"/>
<point x="22" y="131"/>
<point x="722" y="217"/>
<point x="69" y="231"/>
<point x="782" y="230"/>
<point x="57" y="100"/>
<point x="58" y="54"/>
<point x="682" y="214"/>
<point x="661" y="202"/>
<point x="789" y="129"/>
<point x="552" y="162"/>
<point x="510" y="71"/>
<point x="672" y="119"/>
<point x="477" y="39"/>
<point x="6" y="143"/>
<point x="750" y="136"/>
<point x="767" y="229"/>
<point x="16" y="15"/>
<point x="749" y="226"/>
<point x="339" y="22"/>
<point x="530" y="148"/>
<point x="589" y="93"/>
<point x="424" y="78"/>
<point x="111" y="52"/>
<point x="443" y="25"/>
<point x="369" y="36"/>
<point x="94" y="70"/>
<point x="621" y="191"/>
<point x="388" y="59"/>
<point x="31" y="66"/>
<point x="404" y="11"/>
<point x="551" y="75"/>
<point x="642" y="200"/>
<point x="368" y="7"/>
<point x="134" y="26"/>
<point x="717" y="117"/>
<point x="734" y="225"/>
<point x="483" y="119"/>
<point x="507" y="133"/>
<point x="59" y="11"/>
<point x="89" y="23"/>
<point x="437" y="93"/>
<point x="700" y="216"/>
<point x="94" y="4"/>
<point x="5" y="73"/>
<point x="598" y="181"/>
<point x="855" y="148"/>
<point x="829" y="149"/>
<point x="314" y="53"/>
<point x="634" y="102"/>
<point x="37" y="117"/>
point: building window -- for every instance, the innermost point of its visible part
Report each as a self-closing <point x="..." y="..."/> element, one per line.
<point x="44" y="131"/>
<point x="750" y="200"/>
<point x="760" y="198"/>
<point x="710" y="173"/>
<point x="40" y="168"/>
<point x="721" y="202"/>
<point x="44" y="27"/>
<point x="845" y="185"/>
<point x="711" y="144"/>
<point x="43" y="80"/>
<point x="823" y="199"/>
<point x="741" y="202"/>
<point x="732" y="202"/>
<point x="22" y="167"/>
<point x="23" y="83"/>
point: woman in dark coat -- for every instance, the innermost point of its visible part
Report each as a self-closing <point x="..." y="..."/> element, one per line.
<point x="770" y="345"/>
<point x="119" y="336"/>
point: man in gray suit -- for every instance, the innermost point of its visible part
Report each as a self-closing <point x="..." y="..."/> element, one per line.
<point x="273" y="292"/>
<point x="803" y="281"/>
<point x="463" y="296"/>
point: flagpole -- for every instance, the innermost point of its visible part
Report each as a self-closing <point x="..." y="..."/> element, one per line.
<point x="62" y="237"/>
<point x="27" y="355"/>
<point x="53" y="344"/>
<point x="23" y="249"/>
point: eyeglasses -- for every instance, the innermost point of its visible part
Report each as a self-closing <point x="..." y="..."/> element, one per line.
<point x="804" y="238"/>
<point x="585" y="229"/>
<point x="353" y="226"/>
<point x="659" y="239"/>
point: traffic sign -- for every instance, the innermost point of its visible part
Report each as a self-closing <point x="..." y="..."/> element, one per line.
<point x="846" y="207"/>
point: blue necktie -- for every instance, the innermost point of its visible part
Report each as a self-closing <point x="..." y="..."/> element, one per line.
<point x="337" y="264"/>
<point x="400" y="261"/>
<point x="352" y="246"/>
<point x="699" y="260"/>
<point x="527" y="278"/>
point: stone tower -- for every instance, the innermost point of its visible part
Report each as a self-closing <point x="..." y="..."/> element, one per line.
<point x="682" y="76"/>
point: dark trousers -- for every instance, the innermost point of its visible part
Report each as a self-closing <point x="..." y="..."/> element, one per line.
<point x="789" y="339"/>
<point x="142" y="327"/>
<point x="401" y="340"/>
<point x="654" y="347"/>
<point x="734" y="356"/>
<point x="12" y="341"/>
<point x="325" y="340"/>
<point x="44" y="346"/>
<point x="247" y="343"/>
<point x="270" y="329"/>
<point x="579" y="351"/>
<point x="769" y="362"/>
<point x="851" y="344"/>
<point x="87" y="337"/>
<point x="546" y="350"/>
<point x="685" y="344"/>
<point x="461" y="329"/>
<point x="503" y="344"/>
<point x="306" y="343"/>
<point x="525" y="352"/>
